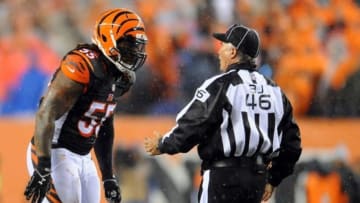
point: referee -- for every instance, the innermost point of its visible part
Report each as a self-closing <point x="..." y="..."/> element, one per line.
<point x="242" y="123"/>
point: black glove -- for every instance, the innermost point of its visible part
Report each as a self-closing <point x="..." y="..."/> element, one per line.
<point x="39" y="183"/>
<point x="112" y="190"/>
<point x="124" y="83"/>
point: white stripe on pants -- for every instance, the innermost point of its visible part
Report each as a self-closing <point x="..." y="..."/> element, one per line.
<point x="205" y="186"/>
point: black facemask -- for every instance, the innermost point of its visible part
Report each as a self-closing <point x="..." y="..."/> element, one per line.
<point x="130" y="52"/>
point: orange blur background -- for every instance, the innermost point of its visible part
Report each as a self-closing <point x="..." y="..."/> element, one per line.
<point x="130" y="130"/>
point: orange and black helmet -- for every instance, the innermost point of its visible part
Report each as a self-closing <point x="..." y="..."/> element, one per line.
<point x="120" y="35"/>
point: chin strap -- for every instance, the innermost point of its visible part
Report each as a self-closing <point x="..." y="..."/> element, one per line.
<point x="129" y="73"/>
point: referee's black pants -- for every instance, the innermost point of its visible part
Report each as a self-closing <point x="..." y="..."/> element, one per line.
<point x="232" y="185"/>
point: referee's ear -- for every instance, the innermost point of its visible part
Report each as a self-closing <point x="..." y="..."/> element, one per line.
<point x="234" y="52"/>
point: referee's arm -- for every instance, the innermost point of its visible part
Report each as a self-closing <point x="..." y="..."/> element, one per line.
<point x="290" y="147"/>
<point x="193" y="122"/>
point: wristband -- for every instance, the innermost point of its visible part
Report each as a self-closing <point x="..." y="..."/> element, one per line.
<point x="44" y="164"/>
<point x="108" y="177"/>
<point x="110" y="180"/>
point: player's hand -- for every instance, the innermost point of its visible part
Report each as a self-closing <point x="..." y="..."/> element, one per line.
<point x="269" y="189"/>
<point x="38" y="185"/>
<point x="129" y="76"/>
<point x="151" y="144"/>
<point x="112" y="190"/>
<point x="124" y="83"/>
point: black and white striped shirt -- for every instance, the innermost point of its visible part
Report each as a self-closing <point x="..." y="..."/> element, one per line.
<point x="237" y="113"/>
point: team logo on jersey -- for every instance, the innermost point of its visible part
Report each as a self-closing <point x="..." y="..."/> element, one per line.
<point x="71" y="66"/>
<point x="202" y="95"/>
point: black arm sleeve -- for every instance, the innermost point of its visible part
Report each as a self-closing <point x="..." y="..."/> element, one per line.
<point x="290" y="147"/>
<point x="194" y="121"/>
<point x="103" y="148"/>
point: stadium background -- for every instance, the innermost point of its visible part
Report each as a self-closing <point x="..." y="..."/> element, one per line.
<point x="309" y="47"/>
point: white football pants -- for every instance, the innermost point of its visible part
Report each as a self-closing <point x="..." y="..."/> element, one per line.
<point x="75" y="176"/>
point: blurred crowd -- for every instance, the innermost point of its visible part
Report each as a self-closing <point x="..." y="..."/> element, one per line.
<point x="310" y="48"/>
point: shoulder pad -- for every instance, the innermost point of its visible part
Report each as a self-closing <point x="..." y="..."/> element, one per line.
<point x="95" y="58"/>
<point x="76" y="66"/>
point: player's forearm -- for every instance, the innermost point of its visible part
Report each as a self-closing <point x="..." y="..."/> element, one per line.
<point x="104" y="157"/>
<point x="44" y="129"/>
<point x="103" y="150"/>
<point x="60" y="97"/>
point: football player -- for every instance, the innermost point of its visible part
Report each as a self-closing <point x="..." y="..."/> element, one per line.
<point x="76" y="113"/>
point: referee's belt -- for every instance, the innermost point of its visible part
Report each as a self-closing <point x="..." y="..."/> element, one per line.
<point x="237" y="162"/>
<point x="255" y="162"/>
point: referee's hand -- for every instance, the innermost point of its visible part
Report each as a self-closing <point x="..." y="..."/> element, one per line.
<point x="268" y="192"/>
<point x="151" y="144"/>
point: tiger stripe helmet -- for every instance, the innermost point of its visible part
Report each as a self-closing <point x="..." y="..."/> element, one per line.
<point x="120" y="35"/>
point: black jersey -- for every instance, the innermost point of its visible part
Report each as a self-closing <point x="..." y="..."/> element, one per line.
<point x="77" y="129"/>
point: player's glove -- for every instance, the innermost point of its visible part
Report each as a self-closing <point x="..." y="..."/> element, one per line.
<point x="124" y="83"/>
<point x="39" y="183"/>
<point x="112" y="190"/>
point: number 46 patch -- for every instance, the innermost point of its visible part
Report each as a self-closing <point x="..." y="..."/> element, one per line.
<point x="202" y="95"/>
